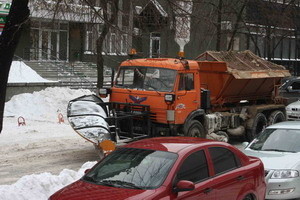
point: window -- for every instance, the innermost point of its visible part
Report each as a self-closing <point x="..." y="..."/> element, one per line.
<point x="146" y="78"/>
<point x="90" y="37"/>
<point x="194" y="168"/>
<point x="285" y="48"/>
<point x="133" y="168"/>
<point x="235" y="46"/>
<point x="278" y="47"/>
<point x="125" y="77"/>
<point x="226" y="25"/>
<point x="154" y="45"/>
<point x="186" y="81"/>
<point x="124" y="45"/>
<point x="296" y="86"/>
<point x="113" y="43"/>
<point x="293" y="48"/>
<point x="223" y="159"/>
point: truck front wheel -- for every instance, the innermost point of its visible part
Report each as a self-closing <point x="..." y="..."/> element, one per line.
<point x="195" y="129"/>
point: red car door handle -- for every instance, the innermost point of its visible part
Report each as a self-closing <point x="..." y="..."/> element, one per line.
<point x="239" y="178"/>
<point x="207" y="190"/>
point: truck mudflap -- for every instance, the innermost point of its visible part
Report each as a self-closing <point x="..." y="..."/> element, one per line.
<point x="97" y="121"/>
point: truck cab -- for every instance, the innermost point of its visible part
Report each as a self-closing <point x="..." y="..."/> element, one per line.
<point x="171" y="87"/>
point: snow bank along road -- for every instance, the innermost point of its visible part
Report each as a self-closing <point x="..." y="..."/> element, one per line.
<point x="43" y="145"/>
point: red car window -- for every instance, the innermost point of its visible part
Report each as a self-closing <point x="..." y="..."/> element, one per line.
<point x="194" y="168"/>
<point x="223" y="159"/>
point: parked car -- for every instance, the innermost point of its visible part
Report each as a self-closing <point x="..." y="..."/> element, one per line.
<point x="293" y="111"/>
<point x="278" y="147"/>
<point x="171" y="168"/>
<point x="290" y="89"/>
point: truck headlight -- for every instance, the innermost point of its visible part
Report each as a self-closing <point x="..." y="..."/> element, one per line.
<point x="169" y="97"/>
<point x="285" y="174"/>
<point x="288" y="108"/>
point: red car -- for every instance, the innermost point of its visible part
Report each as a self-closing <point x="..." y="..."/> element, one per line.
<point x="171" y="168"/>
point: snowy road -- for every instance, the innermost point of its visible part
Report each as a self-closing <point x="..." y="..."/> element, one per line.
<point x="40" y="147"/>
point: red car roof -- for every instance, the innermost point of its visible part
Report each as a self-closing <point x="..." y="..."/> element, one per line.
<point x="170" y="144"/>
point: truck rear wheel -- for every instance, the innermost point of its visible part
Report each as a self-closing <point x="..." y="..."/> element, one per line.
<point x="195" y="129"/>
<point x="275" y="117"/>
<point x="259" y="123"/>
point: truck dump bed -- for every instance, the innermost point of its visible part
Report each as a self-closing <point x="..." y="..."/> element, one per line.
<point x="235" y="76"/>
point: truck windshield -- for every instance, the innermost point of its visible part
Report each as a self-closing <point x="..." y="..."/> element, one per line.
<point x="146" y="78"/>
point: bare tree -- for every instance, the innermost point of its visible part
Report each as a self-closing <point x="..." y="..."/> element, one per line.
<point x="274" y="22"/>
<point x="9" y="38"/>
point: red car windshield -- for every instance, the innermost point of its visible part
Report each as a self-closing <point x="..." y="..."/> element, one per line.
<point x="132" y="168"/>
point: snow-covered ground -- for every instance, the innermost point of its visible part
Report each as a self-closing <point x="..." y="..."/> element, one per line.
<point x="43" y="156"/>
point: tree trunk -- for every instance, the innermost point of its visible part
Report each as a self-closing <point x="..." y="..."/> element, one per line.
<point x="236" y="26"/>
<point x="9" y="39"/>
<point x="108" y="23"/>
<point x="269" y="40"/>
<point x="100" y="60"/>
<point x="218" y="43"/>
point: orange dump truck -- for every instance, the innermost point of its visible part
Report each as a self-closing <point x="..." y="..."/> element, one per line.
<point x="218" y="95"/>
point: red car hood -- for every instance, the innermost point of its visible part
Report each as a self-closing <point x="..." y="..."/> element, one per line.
<point x="83" y="190"/>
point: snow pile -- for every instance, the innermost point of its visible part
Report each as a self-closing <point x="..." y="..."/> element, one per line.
<point x="43" y="105"/>
<point x="41" y="186"/>
<point x="21" y="73"/>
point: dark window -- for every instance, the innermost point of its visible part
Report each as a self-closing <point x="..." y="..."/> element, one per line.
<point x="223" y="159"/>
<point x="186" y="82"/>
<point x="296" y="86"/>
<point x="194" y="168"/>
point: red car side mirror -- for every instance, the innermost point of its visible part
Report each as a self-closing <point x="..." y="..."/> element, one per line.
<point x="183" y="185"/>
<point x="86" y="171"/>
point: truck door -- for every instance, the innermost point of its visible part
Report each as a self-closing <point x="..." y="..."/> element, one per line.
<point x="187" y="99"/>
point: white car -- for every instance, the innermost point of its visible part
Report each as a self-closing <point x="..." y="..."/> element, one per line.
<point x="293" y="111"/>
<point x="278" y="146"/>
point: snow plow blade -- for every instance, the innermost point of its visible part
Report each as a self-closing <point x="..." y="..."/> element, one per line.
<point x="97" y="121"/>
<point x="87" y="118"/>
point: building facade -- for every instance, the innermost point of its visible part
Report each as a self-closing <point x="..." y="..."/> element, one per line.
<point x="68" y="31"/>
<point x="269" y="28"/>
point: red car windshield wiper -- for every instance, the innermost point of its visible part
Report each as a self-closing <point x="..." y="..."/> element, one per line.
<point x="119" y="183"/>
